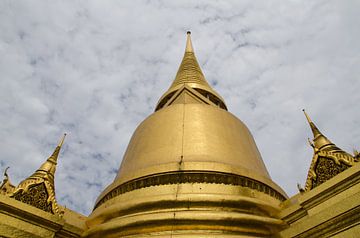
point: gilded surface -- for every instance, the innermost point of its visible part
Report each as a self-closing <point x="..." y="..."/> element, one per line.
<point x="325" y="169"/>
<point x="36" y="196"/>
<point x="191" y="177"/>
<point x="190" y="168"/>
<point x="38" y="190"/>
<point x="190" y="74"/>
<point x="192" y="137"/>
<point x="188" y="208"/>
<point x="19" y="219"/>
<point x="328" y="159"/>
<point x="329" y="210"/>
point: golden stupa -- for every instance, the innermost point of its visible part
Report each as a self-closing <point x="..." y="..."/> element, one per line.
<point x="192" y="169"/>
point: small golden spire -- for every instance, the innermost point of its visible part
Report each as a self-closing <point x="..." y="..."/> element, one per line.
<point x="53" y="158"/>
<point x="307" y="116"/>
<point x="189" y="47"/>
<point x="190" y="74"/>
<point x="324" y="148"/>
<point x="44" y="175"/>
<point x="189" y="71"/>
<point x="319" y="139"/>
<point x="62" y="140"/>
<point x="48" y="168"/>
<point x="314" y="129"/>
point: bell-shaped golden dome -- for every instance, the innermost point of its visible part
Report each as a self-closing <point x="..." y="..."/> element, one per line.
<point x="192" y="137"/>
<point x="191" y="168"/>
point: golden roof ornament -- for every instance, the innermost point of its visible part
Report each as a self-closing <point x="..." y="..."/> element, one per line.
<point x="328" y="159"/>
<point x="356" y="155"/>
<point x="6" y="186"/>
<point x="190" y="74"/>
<point x="38" y="190"/>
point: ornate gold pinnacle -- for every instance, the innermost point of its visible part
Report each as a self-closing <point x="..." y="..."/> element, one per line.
<point x="38" y="190"/>
<point x="328" y="159"/>
<point x="191" y="75"/>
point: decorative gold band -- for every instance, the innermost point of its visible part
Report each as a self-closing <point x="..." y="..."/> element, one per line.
<point x="180" y="177"/>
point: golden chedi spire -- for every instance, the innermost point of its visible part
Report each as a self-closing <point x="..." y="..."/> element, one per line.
<point x="190" y="74"/>
<point x="38" y="190"/>
<point x="191" y="169"/>
<point x="189" y="47"/>
<point x="328" y="159"/>
<point x="48" y="168"/>
<point x="320" y="141"/>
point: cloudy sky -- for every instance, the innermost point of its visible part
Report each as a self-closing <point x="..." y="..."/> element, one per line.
<point x="95" y="69"/>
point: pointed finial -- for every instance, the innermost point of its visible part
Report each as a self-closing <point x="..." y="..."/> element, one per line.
<point x="326" y="149"/>
<point x="190" y="74"/>
<point x="189" y="47"/>
<point x="45" y="174"/>
<point x="307" y="116"/>
<point x="319" y="141"/>
<point x="62" y="140"/>
<point x="314" y="129"/>
<point x="5" y="172"/>
<point x="55" y="154"/>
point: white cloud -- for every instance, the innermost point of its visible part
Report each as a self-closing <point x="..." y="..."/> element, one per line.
<point x="96" y="70"/>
